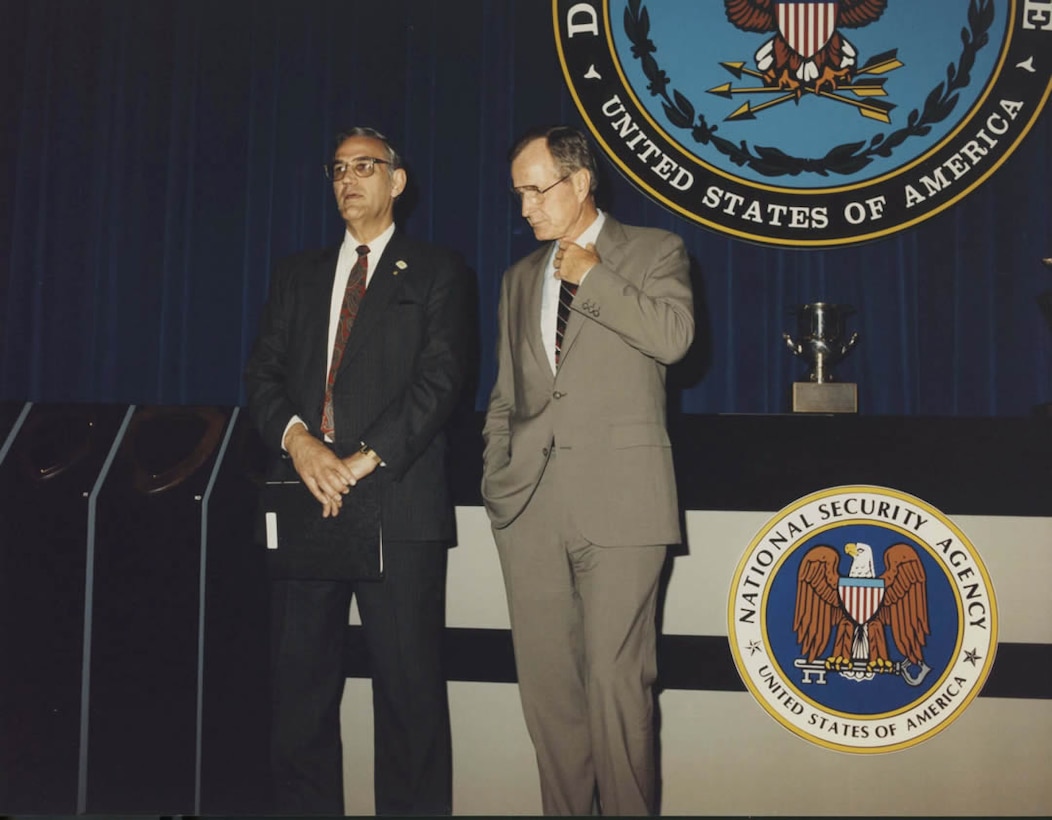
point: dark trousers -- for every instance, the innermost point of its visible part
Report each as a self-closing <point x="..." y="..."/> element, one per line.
<point x="403" y="618"/>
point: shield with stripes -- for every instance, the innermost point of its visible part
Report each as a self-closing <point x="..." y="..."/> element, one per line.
<point x="861" y="597"/>
<point x="806" y="26"/>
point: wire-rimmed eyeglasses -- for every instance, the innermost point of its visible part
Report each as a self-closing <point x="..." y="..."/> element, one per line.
<point x="361" y="167"/>
<point x="532" y="192"/>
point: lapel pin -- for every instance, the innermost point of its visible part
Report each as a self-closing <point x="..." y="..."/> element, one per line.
<point x="400" y="265"/>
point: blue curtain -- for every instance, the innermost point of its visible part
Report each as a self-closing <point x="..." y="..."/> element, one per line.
<point x="157" y="157"/>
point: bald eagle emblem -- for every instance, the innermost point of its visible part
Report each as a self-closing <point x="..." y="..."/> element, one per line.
<point x="861" y="618"/>
<point x="808" y="54"/>
<point x="807" y="49"/>
<point x="858" y="611"/>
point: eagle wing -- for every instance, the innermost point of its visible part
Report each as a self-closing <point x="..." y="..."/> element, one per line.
<point x="752" y="15"/>
<point x="817" y="600"/>
<point x="905" y="604"/>
<point x="858" y="13"/>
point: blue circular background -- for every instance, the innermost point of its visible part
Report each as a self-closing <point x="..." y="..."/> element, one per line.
<point x="885" y="692"/>
<point x="692" y="38"/>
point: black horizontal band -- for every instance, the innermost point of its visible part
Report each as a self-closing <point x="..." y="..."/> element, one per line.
<point x="691" y="663"/>
<point x="962" y="466"/>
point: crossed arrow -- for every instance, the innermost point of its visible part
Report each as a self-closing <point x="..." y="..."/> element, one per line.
<point x="874" y="109"/>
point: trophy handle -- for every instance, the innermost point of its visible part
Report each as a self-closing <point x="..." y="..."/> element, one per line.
<point x="850" y="344"/>
<point x="793" y="346"/>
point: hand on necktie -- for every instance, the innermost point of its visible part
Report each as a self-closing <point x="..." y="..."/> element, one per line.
<point x="572" y="261"/>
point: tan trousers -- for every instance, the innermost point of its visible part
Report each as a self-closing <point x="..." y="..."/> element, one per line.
<point x="582" y="619"/>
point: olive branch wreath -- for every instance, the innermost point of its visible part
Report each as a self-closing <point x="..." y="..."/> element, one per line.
<point x="847" y="158"/>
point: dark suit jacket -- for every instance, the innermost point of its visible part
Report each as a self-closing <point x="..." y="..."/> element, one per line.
<point x="402" y="369"/>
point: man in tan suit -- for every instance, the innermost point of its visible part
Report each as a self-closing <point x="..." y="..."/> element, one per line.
<point x="577" y="475"/>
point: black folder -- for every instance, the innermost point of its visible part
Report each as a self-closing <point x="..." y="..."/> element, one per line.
<point x="301" y="544"/>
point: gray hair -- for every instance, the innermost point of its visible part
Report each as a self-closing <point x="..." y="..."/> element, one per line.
<point x="394" y="160"/>
<point x="569" y="148"/>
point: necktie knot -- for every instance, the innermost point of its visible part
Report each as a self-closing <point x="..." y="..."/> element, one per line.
<point x="362" y="250"/>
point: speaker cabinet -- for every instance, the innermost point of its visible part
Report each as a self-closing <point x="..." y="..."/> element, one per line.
<point x="146" y="612"/>
<point x="47" y="478"/>
<point x="235" y="731"/>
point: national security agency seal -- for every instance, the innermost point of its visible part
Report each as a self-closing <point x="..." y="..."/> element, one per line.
<point x="862" y="619"/>
<point x="807" y="123"/>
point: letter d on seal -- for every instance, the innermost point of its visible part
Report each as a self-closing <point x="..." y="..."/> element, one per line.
<point x="576" y="25"/>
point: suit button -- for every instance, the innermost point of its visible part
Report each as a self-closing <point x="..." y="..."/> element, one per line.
<point x="557" y="395"/>
<point x="544" y="452"/>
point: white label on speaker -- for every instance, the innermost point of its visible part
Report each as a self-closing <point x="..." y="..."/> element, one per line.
<point x="271" y="520"/>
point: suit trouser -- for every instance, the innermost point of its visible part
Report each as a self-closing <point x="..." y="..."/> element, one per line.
<point x="403" y="619"/>
<point x="583" y="628"/>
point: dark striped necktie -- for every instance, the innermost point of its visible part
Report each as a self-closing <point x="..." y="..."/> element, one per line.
<point x="352" y="300"/>
<point x="566" y="294"/>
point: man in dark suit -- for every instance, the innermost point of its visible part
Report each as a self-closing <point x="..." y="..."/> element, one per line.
<point x="348" y="407"/>
<point x="578" y="478"/>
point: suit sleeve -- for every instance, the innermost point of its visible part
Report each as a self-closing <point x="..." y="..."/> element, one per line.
<point x="407" y="425"/>
<point x="655" y="316"/>
<point x="266" y="374"/>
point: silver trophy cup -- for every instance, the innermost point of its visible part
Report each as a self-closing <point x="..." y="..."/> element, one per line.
<point x="820" y="330"/>
<point x="820" y="341"/>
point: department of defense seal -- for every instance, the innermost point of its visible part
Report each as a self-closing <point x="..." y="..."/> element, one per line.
<point x="807" y="123"/>
<point x="862" y="619"/>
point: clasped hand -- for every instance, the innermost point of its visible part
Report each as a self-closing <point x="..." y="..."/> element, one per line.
<point x="327" y="476"/>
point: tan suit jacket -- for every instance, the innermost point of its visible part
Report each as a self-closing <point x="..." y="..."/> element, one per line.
<point x="604" y="409"/>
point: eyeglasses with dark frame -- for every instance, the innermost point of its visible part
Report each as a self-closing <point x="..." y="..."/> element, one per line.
<point x="361" y="167"/>
<point x="533" y="192"/>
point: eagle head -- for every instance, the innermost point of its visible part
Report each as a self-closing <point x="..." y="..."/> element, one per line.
<point x="861" y="560"/>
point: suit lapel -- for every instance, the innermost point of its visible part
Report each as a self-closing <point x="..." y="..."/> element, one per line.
<point x="317" y="299"/>
<point x="383" y="286"/>
<point x="532" y="291"/>
<point x="611" y="242"/>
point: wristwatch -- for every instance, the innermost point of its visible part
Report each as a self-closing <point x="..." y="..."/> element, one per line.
<point x="366" y="450"/>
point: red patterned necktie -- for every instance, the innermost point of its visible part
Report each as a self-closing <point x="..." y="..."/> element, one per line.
<point x="352" y="300"/>
<point x="567" y="291"/>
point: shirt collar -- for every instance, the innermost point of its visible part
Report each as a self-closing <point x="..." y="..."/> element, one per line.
<point x="376" y="247"/>
<point x="591" y="233"/>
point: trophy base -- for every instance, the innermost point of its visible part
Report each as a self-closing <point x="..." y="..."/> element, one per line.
<point x="828" y="397"/>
